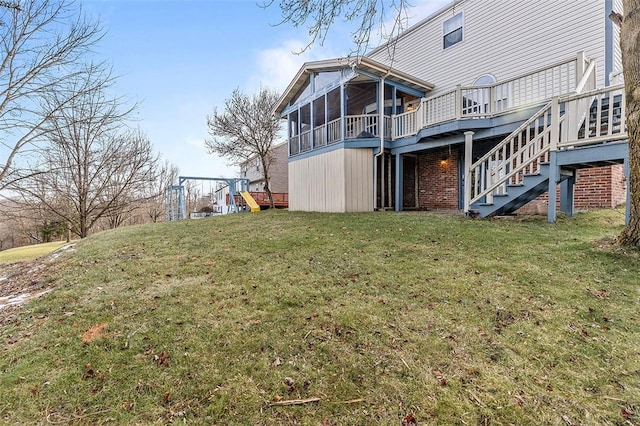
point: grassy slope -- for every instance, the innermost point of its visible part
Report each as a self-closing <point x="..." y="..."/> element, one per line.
<point x="21" y="254"/>
<point x="451" y="320"/>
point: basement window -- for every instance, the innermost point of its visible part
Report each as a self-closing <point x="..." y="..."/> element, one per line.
<point x="452" y="31"/>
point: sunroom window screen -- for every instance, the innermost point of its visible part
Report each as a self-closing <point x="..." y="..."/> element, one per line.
<point x="452" y="30"/>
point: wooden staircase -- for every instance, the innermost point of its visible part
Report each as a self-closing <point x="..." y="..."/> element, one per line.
<point x="566" y="134"/>
<point x="517" y="195"/>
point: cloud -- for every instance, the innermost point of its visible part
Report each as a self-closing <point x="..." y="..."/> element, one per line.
<point x="276" y="66"/>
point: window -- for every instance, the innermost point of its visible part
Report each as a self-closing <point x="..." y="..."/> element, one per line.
<point x="484" y="79"/>
<point x="452" y="31"/>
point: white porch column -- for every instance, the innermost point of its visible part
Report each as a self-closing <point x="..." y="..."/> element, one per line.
<point x="342" y="111"/>
<point x="312" y="125"/>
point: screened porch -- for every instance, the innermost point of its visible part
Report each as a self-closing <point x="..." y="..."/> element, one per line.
<point x="346" y="99"/>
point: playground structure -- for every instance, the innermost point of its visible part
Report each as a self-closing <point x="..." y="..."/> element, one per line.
<point x="175" y="203"/>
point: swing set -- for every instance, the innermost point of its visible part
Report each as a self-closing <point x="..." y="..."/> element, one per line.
<point x="175" y="203"/>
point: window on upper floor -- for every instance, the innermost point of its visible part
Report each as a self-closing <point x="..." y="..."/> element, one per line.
<point x="452" y="31"/>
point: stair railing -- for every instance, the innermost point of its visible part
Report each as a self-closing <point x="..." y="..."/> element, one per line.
<point x="552" y="128"/>
<point x="518" y="154"/>
<point x="600" y="122"/>
<point x="579" y="108"/>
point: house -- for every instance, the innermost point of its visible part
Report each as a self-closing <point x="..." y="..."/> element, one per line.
<point x="278" y="176"/>
<point x="484" y="106"/>
<point x="220" y="198"/>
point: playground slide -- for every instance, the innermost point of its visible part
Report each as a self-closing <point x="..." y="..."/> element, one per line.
<point x="250" y="201"/>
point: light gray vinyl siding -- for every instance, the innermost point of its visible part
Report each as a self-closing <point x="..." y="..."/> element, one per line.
<point x="617" y="52"/>
<point x="279" y="176"/>
<point x="336" y="181"/>
<point x="278" y="170"/>
<point x="506" y="38"/>
<point x="359" y="183"/>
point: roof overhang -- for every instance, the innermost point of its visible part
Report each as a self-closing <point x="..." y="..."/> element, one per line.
<point x="366" y="65"/>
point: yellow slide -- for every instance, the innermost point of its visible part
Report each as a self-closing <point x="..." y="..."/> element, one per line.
<point x="250" y="201"/>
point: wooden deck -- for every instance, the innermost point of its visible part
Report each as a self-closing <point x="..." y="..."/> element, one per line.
<point x="280" y="199"/>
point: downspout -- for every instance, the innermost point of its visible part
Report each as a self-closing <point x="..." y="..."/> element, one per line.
<point x="381" y="127"/>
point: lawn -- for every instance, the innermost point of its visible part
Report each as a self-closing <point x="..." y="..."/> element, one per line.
<point x="21" y="254"/>
<point x="281" y="318"/>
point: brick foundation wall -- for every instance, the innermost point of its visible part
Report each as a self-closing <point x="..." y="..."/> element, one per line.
<point x="438" y="186"/>
<point x="598" y="187"/>
<point x="618" y="185"/>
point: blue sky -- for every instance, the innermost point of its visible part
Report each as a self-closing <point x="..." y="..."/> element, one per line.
<point x="181" y="58"/>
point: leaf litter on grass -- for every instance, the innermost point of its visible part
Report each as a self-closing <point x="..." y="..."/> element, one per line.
<point x="371" y="318"/>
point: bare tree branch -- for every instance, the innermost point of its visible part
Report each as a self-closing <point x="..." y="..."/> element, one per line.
<point x="42" y="45"/>
<point x="92" y="166"/>
<point x="246" y="128"/>
<point x="367" y="16"/>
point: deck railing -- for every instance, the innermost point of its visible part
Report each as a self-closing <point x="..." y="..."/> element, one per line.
<point x="305" y="141"/>
<point x="355" y="127"/>
<point x="335" y="131"/>
<point x="462" y="102"/>
<point x="488" y="100"/>
<point x="360" y="126"/>
<point x="320" y="136"/>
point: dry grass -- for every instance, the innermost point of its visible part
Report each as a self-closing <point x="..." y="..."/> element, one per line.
<point x="291" y="318"/>
<point x="21" y="254"/>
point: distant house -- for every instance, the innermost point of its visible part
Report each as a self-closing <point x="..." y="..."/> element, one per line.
<point x="278" y="179"/>
<point x="251" y="169"/>
<point x="220" y="199"/>
<point x="482" y="107"/>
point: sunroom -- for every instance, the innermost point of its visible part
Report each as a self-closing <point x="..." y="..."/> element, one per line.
<point x="346" y="100"/>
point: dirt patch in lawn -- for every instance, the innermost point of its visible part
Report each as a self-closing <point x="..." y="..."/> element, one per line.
<point x="23" y="281"/>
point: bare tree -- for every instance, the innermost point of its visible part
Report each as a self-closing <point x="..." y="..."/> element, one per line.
<point x="43" y="44"/>
<point x="246" y="128"/>
<point x="630" y="45"/>
<point x="318" y="16"/>
<point x="92" y="166"/>
<point x="154" y="206"/>
<point x="629" y="24"/>
<point x="191" y="194"/>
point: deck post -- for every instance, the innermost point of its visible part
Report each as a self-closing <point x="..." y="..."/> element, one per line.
<point x="553" y="188"/>
<point x="468" y="161"/>
<point x="627" y="209"/>
<point x="580" y="68"/>
<point x="313" y="126"/>
<point x="326" y="119"/>
<point x="399" y="183"/>
<point x="554" y="136"/>
<point x="458" y="102"/>
<point x="566" y="195"/>
<point x="342" y="110"/>
<point x="299" y="127"/>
